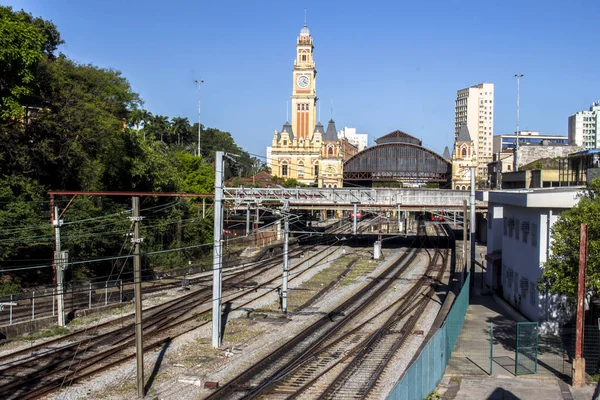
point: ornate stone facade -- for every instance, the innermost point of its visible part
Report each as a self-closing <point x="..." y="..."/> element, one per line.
<point x="303" y="150"/>
<point x="463" y="159"/>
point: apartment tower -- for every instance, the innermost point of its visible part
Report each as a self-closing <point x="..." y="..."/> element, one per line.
<point x="475" y="107"/>
<point x="584" y="127"/>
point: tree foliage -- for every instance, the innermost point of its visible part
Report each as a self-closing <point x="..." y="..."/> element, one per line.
<point x="560" y="275"/>
<point x="68" y="126"/>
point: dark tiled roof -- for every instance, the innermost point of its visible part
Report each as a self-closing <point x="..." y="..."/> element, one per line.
<point x="398" y="136"/>
<point x="288" y="128"/>
<point x="319" y="128"/>
<point x="463" y="133"/>
<point x="330" y="133"/>
<point x="446" y="153"/>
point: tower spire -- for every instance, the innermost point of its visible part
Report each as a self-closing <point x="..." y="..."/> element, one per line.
<point x="304" y="16"/>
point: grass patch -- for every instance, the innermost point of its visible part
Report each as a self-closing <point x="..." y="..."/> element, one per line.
<point x="54" y="330"/>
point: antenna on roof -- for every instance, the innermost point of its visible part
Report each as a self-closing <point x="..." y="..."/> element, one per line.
<point x="331" y="110"/>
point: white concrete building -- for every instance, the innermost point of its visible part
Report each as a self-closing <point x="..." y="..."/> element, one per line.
<point x="519" y="223"/>
<point x="584" y="127"/>
<point x="475" y="106"/>
<point x="527" y="138"/>
<point x="360" y="140"/>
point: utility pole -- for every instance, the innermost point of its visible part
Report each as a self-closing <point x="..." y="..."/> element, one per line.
<point x="399" y="219"/>
<point x="516" y="154"/>
<point x="59" y="268"/>
<point x="199" y="82"/>
<point x="464" y="266"/>
<point x="354" y="221"/>
<point x="248" y="220"/>
<point x="137" y="284"/>
<point x="286" y="237"/>
<point x="473" y="229"/>
<point x="579" y="362"/>
<point x="217" y="250"/>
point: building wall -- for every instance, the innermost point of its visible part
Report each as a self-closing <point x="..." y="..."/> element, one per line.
<point x="522" y="234"/>
<point x="584" y="127"/>
<point x="526" y="138"/>
<point x="475" y="105"/>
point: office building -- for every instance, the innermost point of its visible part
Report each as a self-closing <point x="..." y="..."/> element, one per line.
<point x="584" y="126"/>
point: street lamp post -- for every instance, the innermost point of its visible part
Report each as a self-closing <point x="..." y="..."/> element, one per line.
<point x="199" y="82"/>
<point x="516" y="153"/>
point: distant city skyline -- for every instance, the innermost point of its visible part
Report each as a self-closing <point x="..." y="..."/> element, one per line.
<point x="383" y="66"/>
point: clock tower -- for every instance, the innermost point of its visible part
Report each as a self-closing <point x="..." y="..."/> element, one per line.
<point x="304" y="92"/>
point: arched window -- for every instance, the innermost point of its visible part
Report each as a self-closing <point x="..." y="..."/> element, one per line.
<point x="457" y="187"/>
<point x="464" y="187"/>
<point x="284" y="169"/>
<point x="330" y="150"/>
<point x="316" y="170"/>
<point x="335" y="186"/>
<point x="464" y="152"/>
<point x="300" y="169"/>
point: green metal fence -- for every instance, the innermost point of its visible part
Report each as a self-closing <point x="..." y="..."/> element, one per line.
<point x="527" y="348"/>
<point x="426" y="372"/>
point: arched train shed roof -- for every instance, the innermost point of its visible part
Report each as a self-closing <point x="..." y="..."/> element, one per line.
<point x="399" y="161"/>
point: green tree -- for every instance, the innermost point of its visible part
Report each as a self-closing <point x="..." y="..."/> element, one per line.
<point x="560" y="275"/>
<point x="22" y="46"/>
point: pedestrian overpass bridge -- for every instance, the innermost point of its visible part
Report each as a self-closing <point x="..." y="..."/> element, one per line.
<point x="344" y="199"/>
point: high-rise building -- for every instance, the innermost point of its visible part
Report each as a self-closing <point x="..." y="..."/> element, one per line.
<point x="584" y="127"/>
<point x="360" y="140"/>
<point x="475" y="107"/>
<point x="304" y="150"/>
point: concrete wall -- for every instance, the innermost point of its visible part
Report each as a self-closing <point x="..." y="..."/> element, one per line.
<point x="529" y="154"/>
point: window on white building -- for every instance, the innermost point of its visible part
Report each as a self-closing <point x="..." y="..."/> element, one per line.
<point x="524" y="288"/>
<point x="534" y="240"/>
<point x="509" y="277"/>
<point x="284" y="170"/>
<point x="511" y="227"/>
<point x="525" y="226"/>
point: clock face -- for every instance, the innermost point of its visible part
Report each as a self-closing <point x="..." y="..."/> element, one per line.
<point x="303" y="81"/>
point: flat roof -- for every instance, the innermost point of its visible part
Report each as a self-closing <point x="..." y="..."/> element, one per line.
<point x="554" y="197"/>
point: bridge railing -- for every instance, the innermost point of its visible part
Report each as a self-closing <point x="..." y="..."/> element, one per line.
<point x="380" y="197"/>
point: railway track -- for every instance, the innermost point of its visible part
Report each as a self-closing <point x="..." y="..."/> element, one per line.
<point x="54" y="364"/>
<point x="261" y="378"/>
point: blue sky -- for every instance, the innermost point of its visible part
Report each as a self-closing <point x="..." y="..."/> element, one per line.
<point x="384" y="65"/>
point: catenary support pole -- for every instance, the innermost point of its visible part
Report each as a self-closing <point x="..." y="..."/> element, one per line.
<point x="248" y="221"/>
<point x="464" y="252"/>
<point x="217" y="248"/>
<point x="59" y="270"/>
<point x="399" y="218"/>
<point x="354" y="216"/>
<point x="137" y="283"/>
<point x="286" y="237"/>
<point x="579" y="362"/>
<point x="472" y="227"/>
